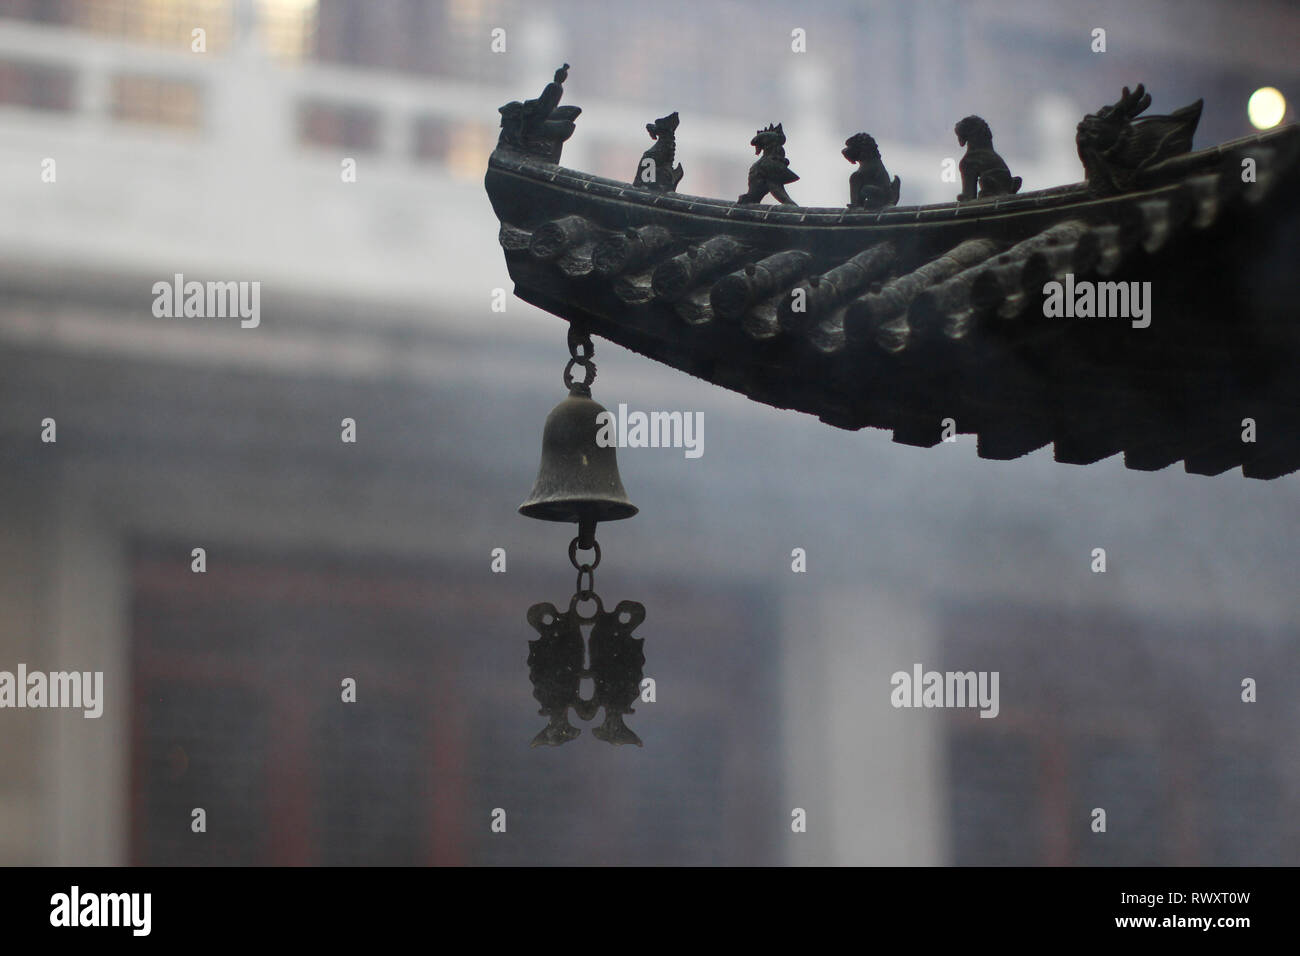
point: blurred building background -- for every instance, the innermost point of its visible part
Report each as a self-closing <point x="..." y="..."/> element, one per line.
<point x="372" y="560"/>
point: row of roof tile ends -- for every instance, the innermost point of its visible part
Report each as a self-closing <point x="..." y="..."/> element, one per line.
<point x="869" y="307"/>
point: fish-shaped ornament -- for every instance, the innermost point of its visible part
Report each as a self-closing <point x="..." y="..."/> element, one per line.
<point x="555" y="669"/>
<point x="617" y="661"/>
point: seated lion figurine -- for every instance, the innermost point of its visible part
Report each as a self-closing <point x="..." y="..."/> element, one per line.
<point x="869" y="186"/>
<point x="983" y="171"/>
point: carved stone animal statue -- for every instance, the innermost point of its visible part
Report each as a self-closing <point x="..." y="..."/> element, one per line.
<point x="983" y="171"/>
<point x="539" y="127"/>
<point x="772" y="172"/>
<point x="869" y="185"/>
<point x="656" y="170"/>
<point x="1114" y="145"/>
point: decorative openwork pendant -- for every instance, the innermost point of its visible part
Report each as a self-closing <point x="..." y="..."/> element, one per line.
<point x="578" y="481"/>
<point x="614" y="662"/>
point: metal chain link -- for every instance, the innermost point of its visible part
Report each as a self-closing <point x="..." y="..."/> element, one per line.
<point x="581" y="351"/>
<point x="585" y="568"/>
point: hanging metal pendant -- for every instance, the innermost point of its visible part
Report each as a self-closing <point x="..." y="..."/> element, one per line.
<point x="615" y="663"/>
<point x="555" y="668"/>
<point x="616" y="668"/>
<point x="578" y="481"/>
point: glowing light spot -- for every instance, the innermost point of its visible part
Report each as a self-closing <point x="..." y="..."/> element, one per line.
<point x="1266" y="108"/>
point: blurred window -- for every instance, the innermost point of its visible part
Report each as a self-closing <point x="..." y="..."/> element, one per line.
<point x="471" y="144"/>
<point x="462" y="147"/>
<point x="156" y="100"/>
<point x="35" y="86"/>
<point x="338" y="125"/>
<point x="286" y="28"/>
<point x="1120" y="714"/>
<point x="160" y="22"/>
<point x="238" y="709"/>
<point x="40" y="11"/>
<point x="432" y="139"/>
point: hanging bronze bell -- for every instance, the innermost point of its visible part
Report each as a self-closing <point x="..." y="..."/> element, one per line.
<point x="578" y="478"/>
